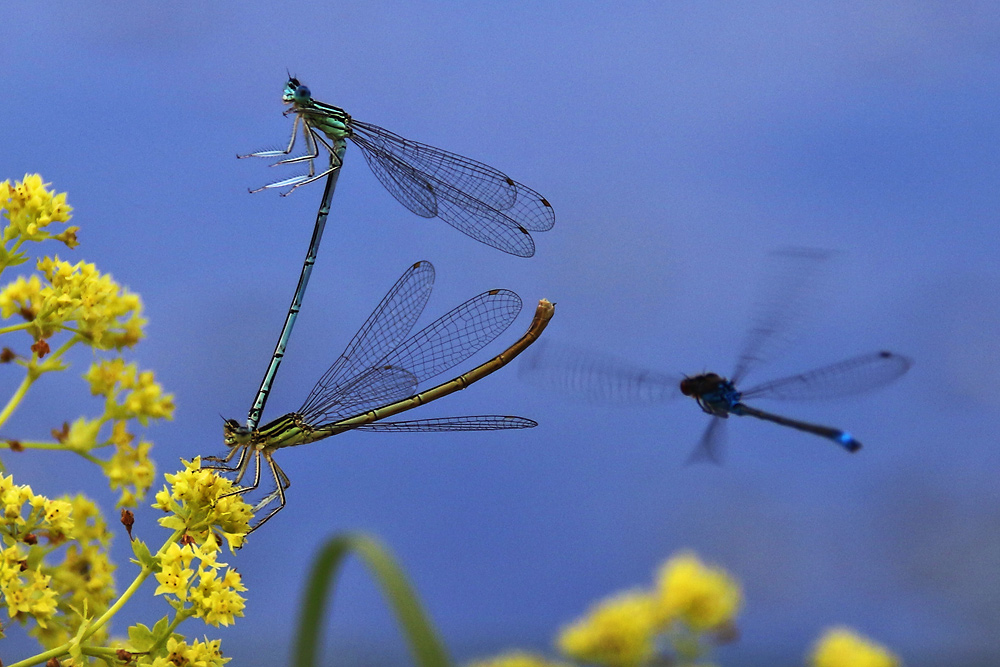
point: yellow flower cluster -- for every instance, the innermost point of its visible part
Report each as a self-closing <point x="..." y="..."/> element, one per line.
<point x="30" y="208"/>
<point x="690" y="600"/>
<point x="840" y="647"/>
<point x="36" y="586"/>
<point x="199" y="501"/>
<point x="129" y="394"/>
<point x="518" y="659"/>
<point x="77" y="298"/>
<point x="132" y="470"/>
<point x="142" y="398"/>
<point x="214" y="599"/>
<point x="702" y="597"/>
<point x="180" y="653"/>
<point x="618" y="632"/>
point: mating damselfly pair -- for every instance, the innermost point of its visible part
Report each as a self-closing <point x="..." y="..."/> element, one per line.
<point x="378" y="374"/>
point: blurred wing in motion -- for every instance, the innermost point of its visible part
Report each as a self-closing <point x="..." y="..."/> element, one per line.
<point x="593" y="376"/>
<point x="852" y="376"/>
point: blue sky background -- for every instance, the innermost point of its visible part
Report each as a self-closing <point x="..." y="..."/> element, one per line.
<point x="678" y="143"/>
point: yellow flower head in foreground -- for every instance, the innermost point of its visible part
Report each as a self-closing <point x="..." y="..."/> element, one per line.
<point x="840" y="647"/>
<point x="618" y="632"/>
<point x="214" y="599"/>
<point x="180" y="653"/>
<point x="703" y="597"/>
<point x="198" y="503"/>
<point x="518" y="659"/>
<point x="31" y="208"/>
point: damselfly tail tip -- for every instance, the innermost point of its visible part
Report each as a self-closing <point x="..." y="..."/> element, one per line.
<point x="848" y="441"/>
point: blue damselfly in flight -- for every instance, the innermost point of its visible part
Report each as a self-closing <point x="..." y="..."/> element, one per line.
<point x="377" y="376"/>
<point x="607" y="379"/>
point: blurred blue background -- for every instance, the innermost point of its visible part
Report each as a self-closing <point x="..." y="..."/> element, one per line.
<point x="678" y="143"/>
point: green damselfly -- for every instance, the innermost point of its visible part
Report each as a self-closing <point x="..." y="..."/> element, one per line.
<point x="377" y="377"/>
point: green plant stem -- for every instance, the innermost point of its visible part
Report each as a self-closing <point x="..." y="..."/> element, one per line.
<point x="59" y="447"/>
<point x="62" y="349"/>
<point x="12" y="254"/>
<point x="179" y="617"/>
<point x="18" y="396"/>
<point x="133" y="587"/>
<point x="425" y="645"/>
<point x="15" y="327"/>
<point x="34" y="372"/>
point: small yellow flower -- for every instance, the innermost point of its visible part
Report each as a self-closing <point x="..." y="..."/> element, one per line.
<point x="89" y="525"/>
<point x="12" y="563"/>
<point x="68" y="236"/>
<point x="82" y="435"/>
<point x="198" y="502"/>
<point x="618" y="632"/>
<point x="146" y="400"/>
<point x="21" y="296"/>
<point x="120" y="437"/>
<point x="216" y="600"/>
<point x="212" y="598"/>
<point x="131" y="470"/>
<point x="518" y="659"/>
<point x="704" y="598"/>
<point x="175" y="571"/>
<point x="12" y="500"/>
<point x="105" y="376"/>
<point x="58" y="517"/>
<point x="840" y="647"/>
<point x="34" y="598"/>
<point x="197" y="654"/>
<point x="31" y="208"/>
<point x="104" y="313"/>
<point x="87" y="575"/>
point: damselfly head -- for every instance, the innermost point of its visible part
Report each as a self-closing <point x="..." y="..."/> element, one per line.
<point x="701" y="384"/>
<point x="295" y="92"/>
<point x="234" y="433"/>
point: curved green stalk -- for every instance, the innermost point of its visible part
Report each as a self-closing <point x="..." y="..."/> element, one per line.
<point x="425" y="645"/>
<point x="17" y="397"/>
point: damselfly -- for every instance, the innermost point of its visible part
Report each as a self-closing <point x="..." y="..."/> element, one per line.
<point x="377" y="377"/>
<point x="474" y="198"/>
<point x="607" y="379"/>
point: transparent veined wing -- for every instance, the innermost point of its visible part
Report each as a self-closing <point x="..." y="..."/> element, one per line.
<point x="856" y="375"/>
<point x="436" y="348"/>
<point x="389" y="323"/>
<point x="472" y="423"/>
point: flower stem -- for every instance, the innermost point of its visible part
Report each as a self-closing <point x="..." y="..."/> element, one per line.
<point x="18" y="396"/>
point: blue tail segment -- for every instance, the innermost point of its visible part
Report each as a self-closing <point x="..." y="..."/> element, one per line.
<point x="848" y="441"/>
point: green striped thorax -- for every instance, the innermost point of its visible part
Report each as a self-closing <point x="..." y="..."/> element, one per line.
<point x="286" y="431"/>
<point x="332" y="121"/>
